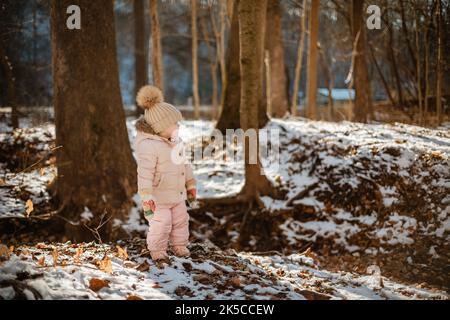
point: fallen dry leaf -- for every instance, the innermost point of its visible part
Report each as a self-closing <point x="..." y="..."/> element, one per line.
<point x="129" y="264"/>
<point x="24" y="252"/>
<point x="41" y="261"/>
<point x="4" y="252"/>
<point x="203" y="278"/>
<point x="105" y="264"/>
<point x="134" y="297"/>
<point x="55" y="256"/>
<point x="122" y="253"/>
<point x="144" y="267"/>
<point x="98" y="284"/>
<point x="184" y="291"/>
<point x="77" y="256"/>
<point x="29" y="206"/>
<point x="156" y="286"/>
<point x="235" y="281"/>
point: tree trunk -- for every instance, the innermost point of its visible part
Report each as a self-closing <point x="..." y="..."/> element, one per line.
<point x="268" y="81"/>
<point x="213" y="62"/>
<point x="418" y="68"/>
<point x="195" y="60"/>
<point x="251" y="30"/>
<point x="140" y="65"/>
<point x="439" y="64"/>
<point x="406" y="35"/>
<point x="156" y="59"/>
<point x="298" y="67"/>
<point x="393" y="60"/>
<point x="426" y="70"/>
<point x="312" y="60"/>
<point x="363" y="97"/>
<point x="382" y="77"/>
<point x="229" y="115"/>
<point x="96" y="169"/>
<point x="11" y="98"/>
<point x="274" y="45"/>
<point x="219" y="34"/>
<point x="328" y="77"/>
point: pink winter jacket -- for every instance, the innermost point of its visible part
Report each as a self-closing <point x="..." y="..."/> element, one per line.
<point x="159" y="177"/>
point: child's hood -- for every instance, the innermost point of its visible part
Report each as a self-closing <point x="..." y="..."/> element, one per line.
<point x="145" y="131"/>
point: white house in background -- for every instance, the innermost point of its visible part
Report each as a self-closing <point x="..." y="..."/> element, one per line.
<point x="339" y="96"/>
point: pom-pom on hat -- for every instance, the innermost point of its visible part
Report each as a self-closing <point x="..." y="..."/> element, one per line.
<point x="158" y="114"/>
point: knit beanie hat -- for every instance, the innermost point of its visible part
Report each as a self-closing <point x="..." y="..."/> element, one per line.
<point x="158" y="114"/>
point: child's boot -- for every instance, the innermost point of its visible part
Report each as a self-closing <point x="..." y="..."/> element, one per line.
<point x="181" y="251"/>
<point x="159" y="256"/>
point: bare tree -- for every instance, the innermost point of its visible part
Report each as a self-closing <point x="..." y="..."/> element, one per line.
<point x="439" y="64"/>
<point x="195" y="59"/>
<point x="251" y="30"/>
<point x="11" y="99"/>
<point x="298" y="66"/>
<point x="140" y="64"/>
<point x="278" y="93"/>
<point x="95" y="166"/>
<point x="312" y="60"/>
<point x="213" y="63"/>
<point x="229" y="117"/>
<point x="219" y="34"/>
<point x="156" y="55"/>
<point x="418" y="67"/>
<point x="363" y="96"/>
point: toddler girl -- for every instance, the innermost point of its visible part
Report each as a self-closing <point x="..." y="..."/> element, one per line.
<point x="164" y="182"/>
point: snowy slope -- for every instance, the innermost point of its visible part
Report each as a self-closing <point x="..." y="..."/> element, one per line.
<point x="72" y="271"/>
<point x="366" y="190"/>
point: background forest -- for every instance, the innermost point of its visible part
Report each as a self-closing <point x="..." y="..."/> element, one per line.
<point x="359" y="92"/>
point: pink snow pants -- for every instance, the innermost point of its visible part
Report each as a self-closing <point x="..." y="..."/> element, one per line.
<point x="170" y="222"/>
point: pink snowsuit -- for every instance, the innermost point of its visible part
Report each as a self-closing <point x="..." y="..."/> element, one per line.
<point x="165" y="180"/>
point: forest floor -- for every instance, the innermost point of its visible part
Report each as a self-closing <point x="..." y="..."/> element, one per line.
<point x="366" y="216"/>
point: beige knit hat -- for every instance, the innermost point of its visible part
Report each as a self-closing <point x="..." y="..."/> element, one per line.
<point x="158" y="114"/>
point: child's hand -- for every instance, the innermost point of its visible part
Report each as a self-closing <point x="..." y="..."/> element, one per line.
<point x="192" y="194"/>
<point x="148" y="205"/>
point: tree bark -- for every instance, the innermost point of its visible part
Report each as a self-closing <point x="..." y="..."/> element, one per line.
<point x="382" y="77"/>
<point x="275" y="47"/>
<point x="156" y="59"/>
<point x="312" y="60"/>
<point x="96" y="169"/>
<point x="426" y="69"/>
<point x="406" y="35"/>
<point x="251" y="30"/>
<point x="195" y="60"/>
<point x="363" y="96"/>
<point x="393" y="60"/>
<point x="418" y="68"/>
<point x="439" y="64"/>
<point x="298" y="67"/>
<point x="11" y="97"/>
<point x="328" y="77"/>
<point x="213" y="63"/>
<point x="229" y="115"/>
<point x="219" y="34"/>
<point x="140" y="62"/>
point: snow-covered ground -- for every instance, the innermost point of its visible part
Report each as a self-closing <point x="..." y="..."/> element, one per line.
<point x="92" y="271"/>
<point x="365" y="190"/>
